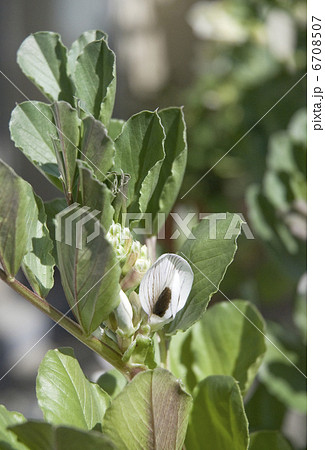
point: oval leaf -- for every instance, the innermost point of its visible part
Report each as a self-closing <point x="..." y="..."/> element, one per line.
<point x="88" y="266"/>
<point x="94" y="78"/>
<point x="140" y="153"/>
<point x="18" y="219"/>
<point x="38" y="263"/>
<point x="173" y="167"/>
<point x="31" y="129"/>
<point x="78" y="46"/>
<point x="226" y="341"/>
<point x="67" y="125"/>
<point x="43" y="59"/>
<point x="209" y="254"/>
<point x="65" y="395"/>
<point x="97" y="148"/>
<point x="155" y="408"/>
<point x="96" y="195"/>
<point x="218" y="418"/>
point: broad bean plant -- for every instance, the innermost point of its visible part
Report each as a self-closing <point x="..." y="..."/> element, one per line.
<point x="180" y="371"/>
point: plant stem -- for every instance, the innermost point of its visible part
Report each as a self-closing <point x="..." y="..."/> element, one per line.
<point x="163" y="349"/>
<point x="109" y="353"/>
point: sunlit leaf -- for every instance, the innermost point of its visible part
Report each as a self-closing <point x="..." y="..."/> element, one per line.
<point x="140" y="153"/>
<point x="94" y="78"/>
<point x="155" y="408"/>
<point x="173" y="167"/>
<point x="43" y="59"/>
<point x="79" y="44"/>
<point x="65" y="395"/>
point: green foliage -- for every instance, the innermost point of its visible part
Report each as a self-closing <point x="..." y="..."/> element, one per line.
<point x="8" y="440"/>
<point x="43" y="436"/>
<point x="105" y="167"/>
<point x="65" y="395"/>
<point x="38" y="263"/>
<point x="89" y="272"/>
<point x="282" y="379"/>
<point x="112" y="382"/>
<point x="268" y="440"/>
<point x="218" y="418"/>
<point x="32" y="128"/>
<point x="18" y="219"/>
<point x="228" y="340"/>
<point x="173" y="167"/>
<point x="155" y="407"/>
<point x="94" y="79"/>
<point x="210" y="257"/>
<point x="140" y="153"/>
<point x="43" y="59"/>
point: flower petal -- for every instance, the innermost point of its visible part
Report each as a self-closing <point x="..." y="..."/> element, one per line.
<point x="169" y="271"/>
<point x="124" y="313"/>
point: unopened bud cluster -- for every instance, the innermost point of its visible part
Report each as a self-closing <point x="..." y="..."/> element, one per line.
<point x="133" y="256"/>
<point x="134" y="262"/>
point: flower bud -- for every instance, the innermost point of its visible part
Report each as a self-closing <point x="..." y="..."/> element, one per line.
<point x="121" y="240"/>
<point x="124" y="315"/>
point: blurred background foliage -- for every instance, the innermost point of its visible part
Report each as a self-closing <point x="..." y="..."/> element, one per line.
<point x="229" y="63"/>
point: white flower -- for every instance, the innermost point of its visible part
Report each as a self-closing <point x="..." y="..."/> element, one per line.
<point x="124" y="315"/>
<point x="164" y="289"/>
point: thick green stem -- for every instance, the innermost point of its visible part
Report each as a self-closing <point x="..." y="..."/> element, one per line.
<point x="102" y="348"/>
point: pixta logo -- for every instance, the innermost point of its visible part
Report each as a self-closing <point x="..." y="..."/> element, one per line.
<point x="71" y="223"/>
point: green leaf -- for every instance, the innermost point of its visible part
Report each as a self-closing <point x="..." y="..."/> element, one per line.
<point x="32" y="128"/>
<point x="268" y="440"/>
<point x="264" y="411"/>
<point x="278" y="374"/>
<point x="96" y="195"/>
<point x="155" y="408"/>
<point x="218" y="418"/>
<point x="78" y="46"/>
<point x="38" y="263"/>
<point x="68" y="130"/>
<point x="43" y="436"/>
<point x="89" y="271"/>
<point x="115" y="128"/>
<point x="94" y="78"/>
<point x="8" y="440"/>
<point x="113" y="382"/>
<point x="52" y="208"/>
<point x="140" y="153"/>
<point x="43" y="59"/>
<point x="97" y="148"/>
<point x="18" y="219"/>
<point x="209" y="255"/>
<point x="65" y="395"/>
<point x="226" y="341"/>
<point x="173" y="167"/>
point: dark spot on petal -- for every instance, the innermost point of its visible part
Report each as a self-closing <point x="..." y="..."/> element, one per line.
<point x="163" y="302"/>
